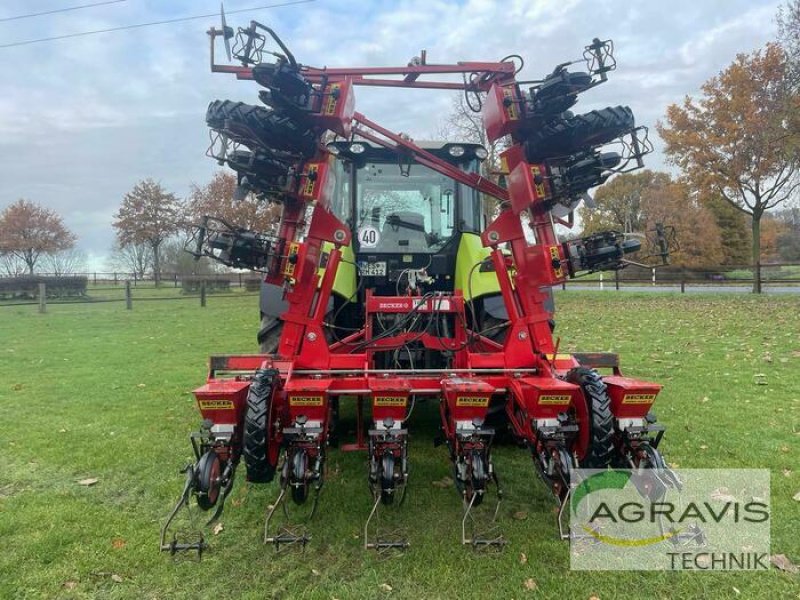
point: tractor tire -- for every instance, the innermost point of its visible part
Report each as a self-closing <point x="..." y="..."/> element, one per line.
<point x="573" y="134"/>
<point x="260" y="459"/>
<point x="600" y="452"/>
<point x="269" y="334"/>
<point x="279" y="132"/>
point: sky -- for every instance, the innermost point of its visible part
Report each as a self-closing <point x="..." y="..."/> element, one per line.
<point x="83" y="119"/>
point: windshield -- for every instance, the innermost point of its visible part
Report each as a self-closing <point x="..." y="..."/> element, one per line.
<point x="403" y="213"/>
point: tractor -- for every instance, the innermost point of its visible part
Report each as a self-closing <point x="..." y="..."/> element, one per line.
<point x="403" y="271"/>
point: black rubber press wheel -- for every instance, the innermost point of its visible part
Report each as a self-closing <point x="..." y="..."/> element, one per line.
<point x="209" y="468"/>
<point x="596" y="434"/>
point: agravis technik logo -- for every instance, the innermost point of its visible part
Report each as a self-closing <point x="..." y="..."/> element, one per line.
<point x="705" y="519"/>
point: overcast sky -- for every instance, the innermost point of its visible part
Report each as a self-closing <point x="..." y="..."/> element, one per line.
<point x="83" y="119"/>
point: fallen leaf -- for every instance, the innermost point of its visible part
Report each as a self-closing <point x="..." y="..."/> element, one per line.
<point x="783" y="563"/>
<point x="796" y="497"/>
<point x="88" y="482"/>
<point x="217" y="528"/>
<point x="118" y="543"/>
<point x="785" y="449"/>
<point x="736" y="591"/>
<point x="315" y="572"/>
<point x="141" y="385"/>
<point x="386" y="587"/>
<point x="520" y="515"/>
<point x="530" y="584"/>
<point x="594" y="597"/>
<point x="16" y="387"/>
<point x="444" y="482"/>
<point x="703" y="447"/>
<point x="722" y="494"/>
<point x="523" y="558"/>
<point x="69" y="585"/>
<point x="116" y="578"/>
<point x="787" y="473"/>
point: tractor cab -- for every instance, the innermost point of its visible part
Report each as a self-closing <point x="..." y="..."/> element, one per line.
<point x="405" y="218"/>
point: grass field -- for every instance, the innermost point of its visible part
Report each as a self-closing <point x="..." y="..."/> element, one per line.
<point x="94" y="391"/>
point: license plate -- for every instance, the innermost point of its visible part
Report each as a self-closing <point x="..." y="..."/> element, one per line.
<point x="373" y="269"/>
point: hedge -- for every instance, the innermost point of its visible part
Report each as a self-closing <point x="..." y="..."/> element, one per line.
<point x="27" y="286"/>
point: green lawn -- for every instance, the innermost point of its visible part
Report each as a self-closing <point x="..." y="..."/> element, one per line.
<point x="97" y="391"/>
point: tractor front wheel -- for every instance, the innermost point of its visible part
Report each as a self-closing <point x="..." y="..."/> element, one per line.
<point x="208" y="468"/>
<point x="596" y="434"/>
<point x="259" y="452"/>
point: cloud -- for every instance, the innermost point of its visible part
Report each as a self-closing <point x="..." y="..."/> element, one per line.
<point x="82" y="120"/>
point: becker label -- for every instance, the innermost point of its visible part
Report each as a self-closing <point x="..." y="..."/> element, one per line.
<point x="472" y="401"/>
<point x="555" y="399"/>
<point x="639" y="398"/>
<point x="215" y="404"/>
<point x="305" y="400"/>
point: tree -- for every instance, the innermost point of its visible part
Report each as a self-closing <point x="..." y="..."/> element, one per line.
<point x="736" y="141"/>
<point x="733" y="229"/>
<point x="28" y="230"/>
<point x="621" y="203"/>
<point x="218" y="199"/>
<point x="132" y="258"/>
<point x="637" y="202"/>
<point x="66" y="262"/>
<point x="696" y="231"/>
<point x="148" y="215"/>
<point x="465" y="125"/>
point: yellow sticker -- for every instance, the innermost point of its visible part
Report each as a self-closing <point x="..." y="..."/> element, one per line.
<point x="305" y="400"/>
<point x="294" y="249"/>
<point x="503" y="165"/>
<point x="537" y="173"/>
<point x="555" y="399"/>
<point x="639" y="399"/>
<point x="556" y="257"/>
<point x="215" y="404"/>
<point x="559" y="356"/>
<point x="481" y="402"/>
<point x="311" y="180"/>
<point x="389" y="401"/>
<point x="330" y="105"/>
<point x="511" y="108"/>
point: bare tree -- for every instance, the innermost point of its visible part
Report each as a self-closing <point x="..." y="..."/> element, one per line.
<point x="11" y="265"/>
<point x="66" y="262"/>
<point x="148" y="215"/>
<point x="132" y="258"/>
<point x="29" y="230"/>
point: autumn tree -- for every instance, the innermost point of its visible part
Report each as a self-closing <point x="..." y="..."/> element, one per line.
<point x="28" y="231"/>
<point x="736" y="141"/>
<point x="696" y="233"/>
<point x="635" y="203"/>
<point x="218" y="198"/>
<point x="621" y="204"/>
<point x="148" y="215"/>
<point x="734" y="230"/>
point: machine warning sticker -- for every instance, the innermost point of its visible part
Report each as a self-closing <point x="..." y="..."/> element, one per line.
<point x="311" y="179"/>
<point x="330" y="105"/>
<point x="537" y="174"/>
<point x="555" y="399"/>
<point x="511" y="106"/>
<point x="556" y="257"/>
<point x="305" y="400"/>
<point x="369" y="237"/>
<point x="215" y="404"/>
<point x="479" y="402"/>
<point x="639" y="399"/>
<point x="389" y="401"/>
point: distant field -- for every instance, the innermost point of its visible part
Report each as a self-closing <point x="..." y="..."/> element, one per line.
<point x="95" y="391"/>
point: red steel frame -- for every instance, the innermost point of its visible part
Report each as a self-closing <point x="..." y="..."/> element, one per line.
<point x="526" y="368"/>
